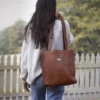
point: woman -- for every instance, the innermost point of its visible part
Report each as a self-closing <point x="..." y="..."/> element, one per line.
<point x="36" y="39"/>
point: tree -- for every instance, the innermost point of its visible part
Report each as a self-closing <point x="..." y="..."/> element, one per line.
<point x="16" y="36"/>
<point x="11" y="38"/>
<point x="83" y="16"/>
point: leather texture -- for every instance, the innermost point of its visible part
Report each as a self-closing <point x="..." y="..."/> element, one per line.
<point x="58" y="66"/>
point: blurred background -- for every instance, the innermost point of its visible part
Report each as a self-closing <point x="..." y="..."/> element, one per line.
<point x="84" y="19"/>
<point x="83" y="16"/>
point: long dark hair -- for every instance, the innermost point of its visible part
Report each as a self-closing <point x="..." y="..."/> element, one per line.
<point x="43" y="17"/>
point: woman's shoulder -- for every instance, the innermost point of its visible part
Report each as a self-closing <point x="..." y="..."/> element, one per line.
<point x="58" y="23"/>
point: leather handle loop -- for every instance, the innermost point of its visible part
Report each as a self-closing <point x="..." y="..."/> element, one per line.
<point x="65" y="42"/>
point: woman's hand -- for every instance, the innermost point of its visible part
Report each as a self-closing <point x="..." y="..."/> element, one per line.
<point x="26" y="87"/>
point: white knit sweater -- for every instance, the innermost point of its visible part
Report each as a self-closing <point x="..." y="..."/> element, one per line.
<point x="30" y="57"/>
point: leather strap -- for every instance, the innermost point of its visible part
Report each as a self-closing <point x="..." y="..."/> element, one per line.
<point x="63" y="31"/>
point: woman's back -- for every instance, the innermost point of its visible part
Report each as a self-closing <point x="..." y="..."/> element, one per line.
<point x="31" y="55"/>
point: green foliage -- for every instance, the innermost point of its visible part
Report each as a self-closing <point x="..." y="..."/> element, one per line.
<point x="84" y="19"/>
<point x="11" y="38"/>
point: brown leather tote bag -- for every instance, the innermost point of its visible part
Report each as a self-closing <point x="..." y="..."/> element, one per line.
<point x="58" y="66"/>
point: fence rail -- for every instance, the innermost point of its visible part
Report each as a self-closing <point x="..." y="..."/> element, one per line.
<point x="87" y="74"/>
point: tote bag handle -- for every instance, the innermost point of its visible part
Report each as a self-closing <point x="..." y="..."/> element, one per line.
<point x="65" y="42"/>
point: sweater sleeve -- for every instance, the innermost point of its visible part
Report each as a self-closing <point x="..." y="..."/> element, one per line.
<point x="24" y="52"/>
<point x="69" y="34"/>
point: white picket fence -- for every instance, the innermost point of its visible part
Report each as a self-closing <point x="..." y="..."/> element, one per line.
<point x="87" y="74"/>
